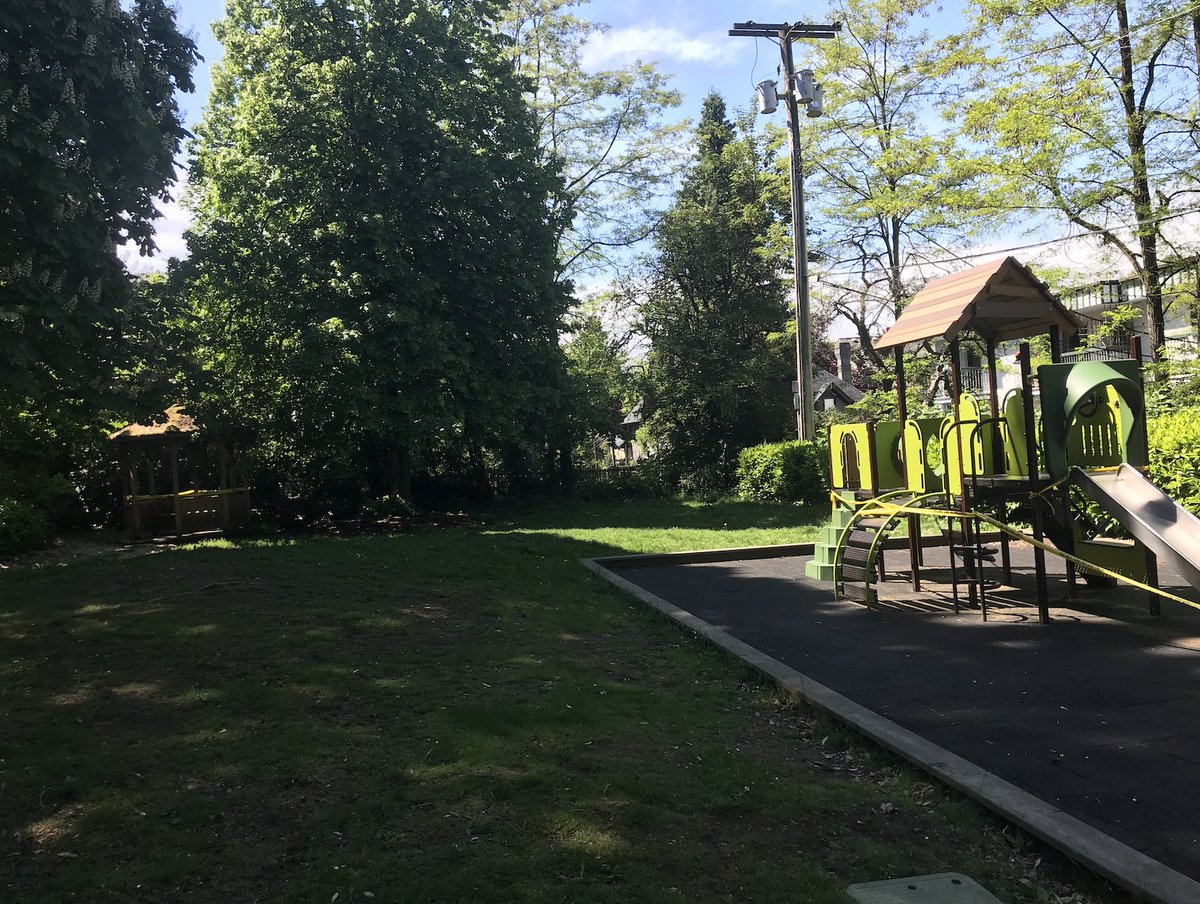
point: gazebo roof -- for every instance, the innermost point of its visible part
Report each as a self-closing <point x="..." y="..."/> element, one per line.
<point x="997" y="300"/>
<point x="177" y="423"/>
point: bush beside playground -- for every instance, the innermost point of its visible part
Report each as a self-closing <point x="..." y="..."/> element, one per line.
<point x="1174" y="441"/>
<point x="797" y="471"/>
<point x="792" y="471"/>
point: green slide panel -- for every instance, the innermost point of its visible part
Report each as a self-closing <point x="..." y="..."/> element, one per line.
<point x="1016" y="449"/>
<point x="1090" y="408"/>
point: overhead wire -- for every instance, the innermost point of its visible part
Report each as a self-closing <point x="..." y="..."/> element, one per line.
<point x="995" y="252"/>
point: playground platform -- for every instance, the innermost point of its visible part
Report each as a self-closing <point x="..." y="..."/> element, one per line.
<point x="1096" y="716"/>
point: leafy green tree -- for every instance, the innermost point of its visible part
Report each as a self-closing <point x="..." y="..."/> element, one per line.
<point x="609" y="130"/>
<point x="89" y="129"/>
<point x="890" y="187"/>
<point x="373" y="265"/>
<point x="597" y="371"/>
<point x="1087" y="110"/>
<point x="719" y="368"/>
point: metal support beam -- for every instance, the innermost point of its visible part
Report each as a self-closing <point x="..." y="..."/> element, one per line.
<point x="1035" y="486"/>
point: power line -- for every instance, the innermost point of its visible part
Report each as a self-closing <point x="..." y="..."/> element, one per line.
<point x="995" y="252"/>
<point x="1098" y="42"/>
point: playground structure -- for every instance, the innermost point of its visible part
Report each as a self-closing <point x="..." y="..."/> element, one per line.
<point x="170" y="454"/>
<point x="1066" y="457"/>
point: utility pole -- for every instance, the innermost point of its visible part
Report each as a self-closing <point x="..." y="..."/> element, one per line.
<point x="785" y="33"/>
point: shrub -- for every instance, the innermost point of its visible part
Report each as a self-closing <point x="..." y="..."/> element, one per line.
<point x="388" y="507"/>
<point x="630" y="483"/>
<point x="707" y="484"/>
<point x="34" y="508"/>
<point x="1174" y="440"/>
<point x="22" y="526"/>
<point x="791" y="471"/>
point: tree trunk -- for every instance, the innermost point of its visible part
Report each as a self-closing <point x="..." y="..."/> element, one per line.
<point x="400" y="471"/>
<point x="479" y="467"/>
<point x="566" y="467"/>
<point x="1147" y="230"/>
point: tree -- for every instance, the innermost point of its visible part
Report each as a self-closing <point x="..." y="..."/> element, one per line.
<point x="889" y="186"/>
<point x="597" y="378"/>
<point x="607" y="130"/>
<point x="373" y="263"/>
<point x="715" y="310"/>
<point x="89" y="129"/>
<point x="1088" y="112"/>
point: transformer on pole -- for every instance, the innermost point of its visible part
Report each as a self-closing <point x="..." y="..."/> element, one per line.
<point x="798" y="88"/>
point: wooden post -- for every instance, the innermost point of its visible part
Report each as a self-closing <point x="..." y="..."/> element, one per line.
<point x="873" y="473"/>
<point x="223" y="485"/>
<point x="998" y="455"/>
<point x="135" y="508"/>
<point x="175" y="489"/>
<point x="1035" y="486"/>
<point x="1155" y="603"/>
<point x="914" y="521"/>
<point x="964" y="531"/>
<point x="994" y="401"/>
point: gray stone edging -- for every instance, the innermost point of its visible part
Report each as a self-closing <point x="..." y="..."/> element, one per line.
<point x="1147" y="878"/>
<point x="745" y="553"/>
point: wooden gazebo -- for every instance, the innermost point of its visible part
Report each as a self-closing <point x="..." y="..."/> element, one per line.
<point x="170" y="453"/>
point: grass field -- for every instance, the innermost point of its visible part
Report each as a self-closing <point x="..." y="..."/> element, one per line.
<point x="460" y="714"/>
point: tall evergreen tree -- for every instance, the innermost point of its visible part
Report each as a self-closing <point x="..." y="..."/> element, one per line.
<point x="374" y="257"/>
<point x="715" y="299"/>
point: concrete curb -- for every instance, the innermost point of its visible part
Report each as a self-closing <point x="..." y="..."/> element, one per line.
<point x="745" y="553"/>
<point x="1132" y="870"/>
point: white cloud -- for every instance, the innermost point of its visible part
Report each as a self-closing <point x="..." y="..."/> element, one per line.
<point x="624" y="45"/>
<point x="168" y="236"/>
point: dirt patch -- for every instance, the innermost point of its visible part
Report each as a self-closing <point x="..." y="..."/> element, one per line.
<point x="79" y="548"/>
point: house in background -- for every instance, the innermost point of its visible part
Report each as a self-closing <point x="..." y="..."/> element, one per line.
<point x="625" y="450"/>
<point x="832" y="391"/>
<point x="1091" y="302"/>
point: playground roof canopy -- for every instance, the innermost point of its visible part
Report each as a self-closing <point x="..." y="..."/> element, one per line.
<point x="998" y="300"/>
<point x="177" y="423"/>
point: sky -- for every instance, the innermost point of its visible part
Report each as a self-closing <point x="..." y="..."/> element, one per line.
<point x="687" y="40"/>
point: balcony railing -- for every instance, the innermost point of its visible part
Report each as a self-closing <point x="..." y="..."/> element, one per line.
<point x="974" y="378"/>
<point x="1094" y="354"/>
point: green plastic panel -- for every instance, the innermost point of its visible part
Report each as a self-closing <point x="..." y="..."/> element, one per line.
<point x="922" y="476"/>
<point x="1016" y="450"/>
<point x="1127" y="557"/>
<point x="1088" y="408"/>
<point x="888" y="458"/>
<point x="850" y="457"/>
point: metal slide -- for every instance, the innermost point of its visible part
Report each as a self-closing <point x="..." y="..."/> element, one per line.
<point x="1149" y="514"/>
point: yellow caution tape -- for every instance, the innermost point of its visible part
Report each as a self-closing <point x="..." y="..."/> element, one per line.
<point x="892" y="508"/>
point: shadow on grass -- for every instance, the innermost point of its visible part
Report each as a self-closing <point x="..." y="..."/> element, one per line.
<point x="434" y="717"/>
<point x="659" y="514"/>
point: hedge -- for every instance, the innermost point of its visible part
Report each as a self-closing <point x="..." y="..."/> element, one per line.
<point x="1174" y="440"/>
<point x="792" y="471"/>
<point x="34" y="509"/>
